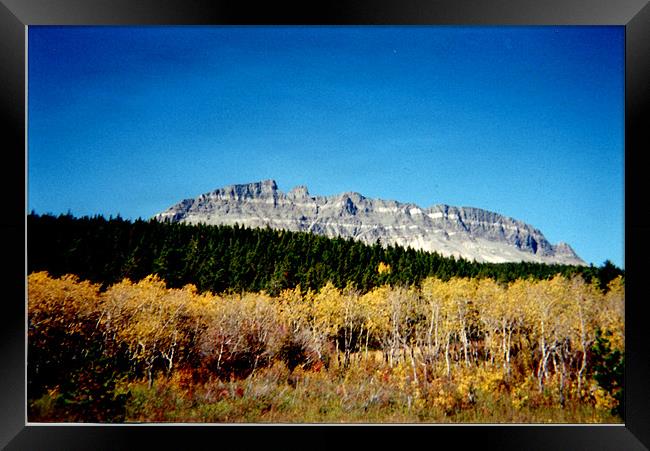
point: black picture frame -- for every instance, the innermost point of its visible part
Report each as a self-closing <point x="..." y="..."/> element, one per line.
<point x="16" y="15"/>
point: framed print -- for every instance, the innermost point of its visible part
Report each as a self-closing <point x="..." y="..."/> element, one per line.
<point x="262" y="222"/>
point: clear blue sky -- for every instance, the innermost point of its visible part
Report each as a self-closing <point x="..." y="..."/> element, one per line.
<point x="524" y="121"/>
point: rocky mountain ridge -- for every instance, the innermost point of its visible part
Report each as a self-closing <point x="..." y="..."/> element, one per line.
<point x="471" y="233"/>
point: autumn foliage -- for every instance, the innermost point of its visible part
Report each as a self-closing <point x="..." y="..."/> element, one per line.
<point x="456" y="350"/>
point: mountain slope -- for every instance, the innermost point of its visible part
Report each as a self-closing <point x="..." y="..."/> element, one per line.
<point x="470" y="233"/>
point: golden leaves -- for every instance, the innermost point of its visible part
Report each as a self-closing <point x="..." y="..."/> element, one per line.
<point x="65" y="302"/>
<point x="439" y="324"/>
<point x="383" y="268"/>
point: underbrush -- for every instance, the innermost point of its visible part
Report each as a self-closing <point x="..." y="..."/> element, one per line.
<point x="368" y="392"/>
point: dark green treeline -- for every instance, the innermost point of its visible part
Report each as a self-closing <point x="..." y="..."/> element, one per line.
<point x="224" y="258"/>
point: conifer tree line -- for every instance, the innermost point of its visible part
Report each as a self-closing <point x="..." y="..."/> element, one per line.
<point x="236" y="259"/>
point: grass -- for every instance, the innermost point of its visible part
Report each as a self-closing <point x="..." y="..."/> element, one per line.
<point x="365" y="393"/>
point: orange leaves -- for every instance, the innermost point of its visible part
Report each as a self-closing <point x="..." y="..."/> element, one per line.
<point x="64" y="303"/>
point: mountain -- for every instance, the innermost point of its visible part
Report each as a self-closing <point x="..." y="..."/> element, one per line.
<point x="471" y="233"/>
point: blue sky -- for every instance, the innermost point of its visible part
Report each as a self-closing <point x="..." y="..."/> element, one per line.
<point x="524" y="121"/>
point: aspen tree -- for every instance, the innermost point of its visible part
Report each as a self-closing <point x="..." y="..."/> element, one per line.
<point x="376" y="315"/>
<point x="64" y="303"/>
<point x="447" y="318"/>
<point x="146" y="317"/>
<point x="584" y="298"/>
<point x="461" y="293"/>
<point x="494" y="313"/>
<point x="538" y="311"/>
<point x="611" y="315"/>
<point x="352" y="321"/>
<point x="328" y="313"/>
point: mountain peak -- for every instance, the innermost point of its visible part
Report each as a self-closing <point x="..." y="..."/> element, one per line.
<point x="247" y="190"/>
<point x="269" y="183"/>
<point x="299" y="192"/>
<point x="468" y="232"/>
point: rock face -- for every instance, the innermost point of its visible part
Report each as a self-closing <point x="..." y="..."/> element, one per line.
<point x="471" y="233"/>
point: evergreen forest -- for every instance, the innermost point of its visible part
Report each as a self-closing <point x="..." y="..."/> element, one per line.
<point x="236" y="259"/>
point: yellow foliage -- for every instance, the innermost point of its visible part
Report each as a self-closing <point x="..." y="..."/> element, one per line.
<point x="328" y="309"/>
<point x="150" y="318"/>
<point x="612" y="315"/>
<point x="604" y="401"/>
<point x="463" y="329"/>
<point x="384" y="268"/>
<point x="64" y="303"/>
<point x="444" y="400"/>
<point x="374" y="304"/>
